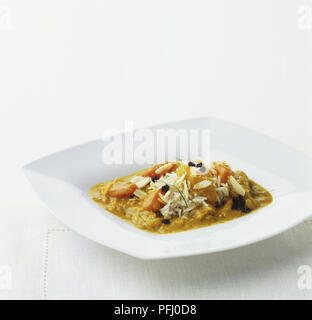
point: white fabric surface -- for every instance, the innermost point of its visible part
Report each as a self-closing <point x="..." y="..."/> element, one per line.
<point x="267" y="270"/>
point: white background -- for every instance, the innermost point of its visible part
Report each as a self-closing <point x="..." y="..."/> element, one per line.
<point x="71" y="69"/>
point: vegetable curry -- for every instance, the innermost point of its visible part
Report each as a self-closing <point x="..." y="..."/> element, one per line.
<point x="178" y="196"/>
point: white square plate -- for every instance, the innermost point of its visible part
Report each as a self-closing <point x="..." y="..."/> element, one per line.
<point x="62" y="181"/>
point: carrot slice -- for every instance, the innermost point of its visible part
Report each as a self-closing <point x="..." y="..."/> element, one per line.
<point x="224" y="172"/>
<point x="152" y="171"/>
<point x="121" y="189"/>
<point x="152" y="203"/>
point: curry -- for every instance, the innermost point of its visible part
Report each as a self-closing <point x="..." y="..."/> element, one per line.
<point x="179" y="196"/>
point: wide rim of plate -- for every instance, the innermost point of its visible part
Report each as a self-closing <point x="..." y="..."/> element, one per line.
<point x="163" y="255"/>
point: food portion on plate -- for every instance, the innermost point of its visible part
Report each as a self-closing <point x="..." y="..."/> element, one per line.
<point x="181" y="195"/>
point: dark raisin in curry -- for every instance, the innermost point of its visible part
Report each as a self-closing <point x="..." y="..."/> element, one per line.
<point x="165" y="221"/>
